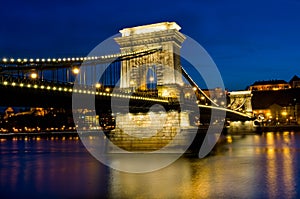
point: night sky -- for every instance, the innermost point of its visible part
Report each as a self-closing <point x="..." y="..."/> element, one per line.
<point x="248" y="40"/>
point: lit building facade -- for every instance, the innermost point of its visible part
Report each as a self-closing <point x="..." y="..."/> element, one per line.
<point x="269" y="85"/>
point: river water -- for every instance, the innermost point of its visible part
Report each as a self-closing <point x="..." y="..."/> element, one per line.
<point x="245" y="166"/>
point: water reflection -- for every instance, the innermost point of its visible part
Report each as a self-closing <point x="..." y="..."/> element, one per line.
<point x="248" y="166"/>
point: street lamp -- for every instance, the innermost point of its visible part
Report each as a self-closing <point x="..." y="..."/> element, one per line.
<point x="75" y="71"/>
<point x="33" y="75"/>
<point x="98" y="85"/>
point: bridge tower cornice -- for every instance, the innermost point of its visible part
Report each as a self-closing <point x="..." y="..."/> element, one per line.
<point x="167" y="68"/>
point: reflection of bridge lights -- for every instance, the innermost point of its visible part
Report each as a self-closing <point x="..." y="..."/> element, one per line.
<point x="33" y="75"/>
<point x="75" y="71"/>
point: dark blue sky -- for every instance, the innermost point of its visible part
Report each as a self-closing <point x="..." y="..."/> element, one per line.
<point x="248" y="40"/>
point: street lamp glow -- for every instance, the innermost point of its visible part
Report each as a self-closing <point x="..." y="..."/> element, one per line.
<point x="33" y="75"/>
<point x="75" y="70"/>
<point x="284" y="113"/>
<point x="98" y="85"/>
<point x="151" y="79"/>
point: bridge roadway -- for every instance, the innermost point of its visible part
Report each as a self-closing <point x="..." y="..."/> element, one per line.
<point x="35" y="93"/>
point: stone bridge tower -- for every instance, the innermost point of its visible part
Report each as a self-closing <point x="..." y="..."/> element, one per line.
<point x="164" y="64"/>
<point x="241" y="100"/>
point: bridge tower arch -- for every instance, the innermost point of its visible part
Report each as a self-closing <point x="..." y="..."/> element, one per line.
<point x="165" y="36"/>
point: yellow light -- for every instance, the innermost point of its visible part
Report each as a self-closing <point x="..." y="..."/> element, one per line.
<point x="5" y="83"/>
<point x="35" y="86"/>
<point x="98" y="85"/>
<point x="54" y="88"/>
<point x="107" y="89"/>
<point x="12" y="60"/>
<point x="13" y="84"/>
<point x="284" y="113"/>
<point x="42" y="87"/>
<point x="24" y="60"/>
<point x="65" y="89"/>
<point x="49" y="60"/>
<point x="60" y="89"/>
<point x="48" y="87"/>
<point x="33" y="75"/>
<point x="194" y="88"/>
<point x="28" y="85"/>
<point x="75" y="70"/>
<point x="4" y="60"/>
<point x="19" y="60"/>
<point x="31" y="60"/>
<point x="151" y="79"/>
<point x="21" y="85"/>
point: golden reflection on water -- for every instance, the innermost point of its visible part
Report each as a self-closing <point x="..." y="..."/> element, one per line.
<point x="279" y="161"/>
<point x="253" y="166"/>
<point x="247" y="166"/>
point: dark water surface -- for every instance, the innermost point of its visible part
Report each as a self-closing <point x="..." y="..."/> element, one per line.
<point x="248" y="166"/>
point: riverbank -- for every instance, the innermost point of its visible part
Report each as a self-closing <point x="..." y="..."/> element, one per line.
<point x="58" y="134"/>
<point x="262" y="129"/>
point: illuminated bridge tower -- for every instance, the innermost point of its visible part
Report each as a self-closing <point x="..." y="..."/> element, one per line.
<point x="161" y="70"/>
<point x="241" y="100"/>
